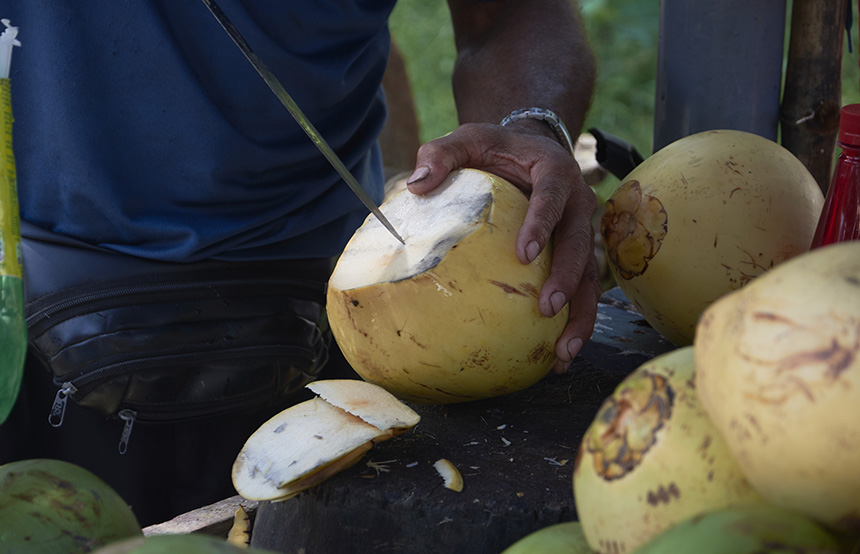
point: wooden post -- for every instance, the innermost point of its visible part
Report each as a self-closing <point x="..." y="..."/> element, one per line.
<point x="812" y="96"/>
<point x="719" y="66"/>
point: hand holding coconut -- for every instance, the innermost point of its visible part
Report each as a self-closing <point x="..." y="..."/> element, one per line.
<point x="498" y="71"/>
<point x="560" y="208"/>
<point x="497" y="282"/>
<point x="452" y="315"/>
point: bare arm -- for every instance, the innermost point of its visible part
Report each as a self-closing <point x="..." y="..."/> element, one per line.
<point x="519" y="54"/>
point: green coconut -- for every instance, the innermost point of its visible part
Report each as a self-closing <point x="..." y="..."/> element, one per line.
<point x="561" y="538"/>
<point x="193" y="543"/>
<point x="54" y="507"/>
<point x="652" y="458"/>
<point x="757" y="529"/>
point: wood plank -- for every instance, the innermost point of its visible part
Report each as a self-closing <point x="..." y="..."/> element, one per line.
<point x="215" y="519"/>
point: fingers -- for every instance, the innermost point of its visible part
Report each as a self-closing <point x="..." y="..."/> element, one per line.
<point x="573" y="245"/>
<point x="491" y="148"/>
<point x="575" y="277"/>
<point x="583" y="314"/>
<point x="560" y="203"/>
<point x="437" y="158"/>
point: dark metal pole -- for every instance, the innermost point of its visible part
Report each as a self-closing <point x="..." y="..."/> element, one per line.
<point x="719" y="66"/>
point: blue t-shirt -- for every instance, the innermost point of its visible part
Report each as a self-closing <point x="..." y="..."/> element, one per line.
<point x="140" y="127"/>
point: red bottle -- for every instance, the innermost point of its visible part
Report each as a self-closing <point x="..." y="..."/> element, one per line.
<point x="840" y="216"/>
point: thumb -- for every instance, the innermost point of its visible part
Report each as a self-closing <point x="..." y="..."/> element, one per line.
<point x="439" y="157"/>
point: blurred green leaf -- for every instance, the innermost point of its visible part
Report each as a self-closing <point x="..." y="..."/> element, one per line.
<point x="422" y="30"/>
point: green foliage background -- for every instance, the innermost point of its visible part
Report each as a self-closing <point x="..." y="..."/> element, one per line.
<point x="623" y="34"/>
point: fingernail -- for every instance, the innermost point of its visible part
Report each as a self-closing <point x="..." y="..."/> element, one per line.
<point x="573" y="347"/>
<point x="419" y="174"/>
<point x="558" y="300"/>
<point x="532" y="250"/>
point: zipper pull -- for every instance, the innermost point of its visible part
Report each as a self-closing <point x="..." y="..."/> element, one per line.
<point x="128" y="416"/>
<point x="58" y="409"/>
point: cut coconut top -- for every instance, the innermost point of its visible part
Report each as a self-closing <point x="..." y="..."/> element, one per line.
<point x="431" y="225"/>
<point x="370" y="402"/>
<point x="311" y="441"/>
<point x="295" y="443"/>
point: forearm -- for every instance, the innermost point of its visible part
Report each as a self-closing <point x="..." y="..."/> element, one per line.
<point x="518" y="54"/>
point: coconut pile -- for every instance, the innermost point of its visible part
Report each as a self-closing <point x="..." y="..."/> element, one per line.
<point x="744" y="438"/>
<point x="752" y="429"/>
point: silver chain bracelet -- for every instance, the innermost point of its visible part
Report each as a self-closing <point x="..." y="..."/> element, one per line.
<point x="548" y="116"/>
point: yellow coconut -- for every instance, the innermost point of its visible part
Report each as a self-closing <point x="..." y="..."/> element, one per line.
<point x="452" y="315"/>
<point x="652" y="459"/>
<point x="701" y="218"/>
<point x="779" y="374"/>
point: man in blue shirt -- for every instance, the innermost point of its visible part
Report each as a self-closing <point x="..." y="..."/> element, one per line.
<point x="142" y="136"/>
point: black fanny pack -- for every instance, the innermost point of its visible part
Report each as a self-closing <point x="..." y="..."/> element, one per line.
<point x="162" y="342"/>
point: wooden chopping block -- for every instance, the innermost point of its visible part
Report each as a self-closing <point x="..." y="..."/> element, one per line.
<point x="516" y="455"/>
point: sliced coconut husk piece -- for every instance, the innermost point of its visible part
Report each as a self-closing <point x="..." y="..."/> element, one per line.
<point x="371" y="403"/>
<point x="313" y="440"/>
<point x="240" y="532"/>
<point x="451" y="476"/>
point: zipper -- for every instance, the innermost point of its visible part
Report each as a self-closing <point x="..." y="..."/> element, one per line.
<point x="51" y="309"/>
<point x="70" y="386"/>
<point x="58" y="409"/>
<point x="89" y="374"/>
<point x="158" y="414"/>
<point x="128" y="416"/>
<point x="95" y="299"/>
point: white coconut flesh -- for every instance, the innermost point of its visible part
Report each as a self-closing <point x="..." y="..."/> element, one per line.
<point x="309" y="442"/>
<point x="451" y="476"/>
<point x="459" y="207"/>
<point x="371" y="403"/>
